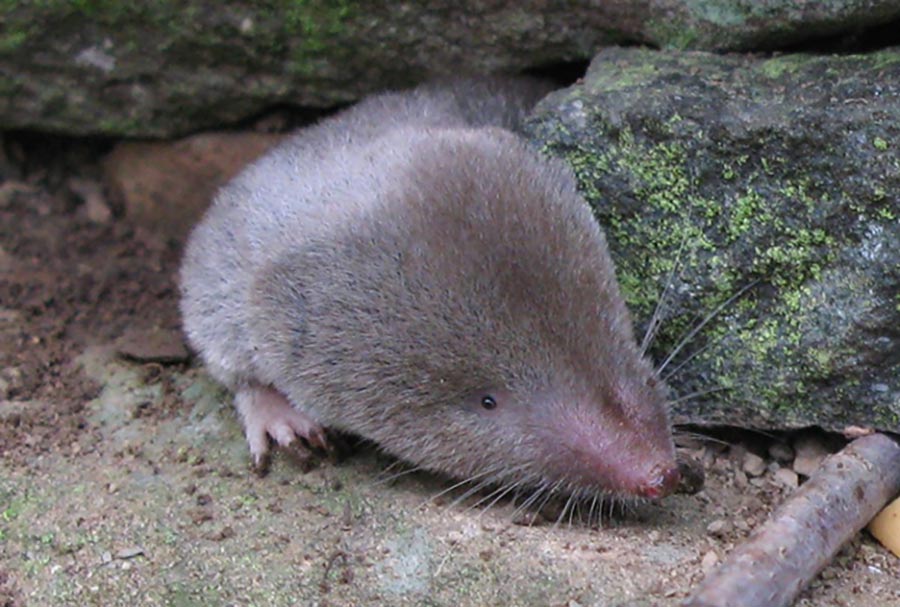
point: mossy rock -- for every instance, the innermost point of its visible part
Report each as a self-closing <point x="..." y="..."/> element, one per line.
<point x="712" y="174"/>
<point x="162" y="68"/>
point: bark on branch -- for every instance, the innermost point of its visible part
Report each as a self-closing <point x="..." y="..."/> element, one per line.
<point x="805" y="532"/>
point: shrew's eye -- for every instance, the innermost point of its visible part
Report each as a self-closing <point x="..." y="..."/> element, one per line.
<point x="488" y="402"/>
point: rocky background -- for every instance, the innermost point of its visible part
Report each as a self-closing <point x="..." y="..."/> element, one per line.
<point x="743" y="158"/>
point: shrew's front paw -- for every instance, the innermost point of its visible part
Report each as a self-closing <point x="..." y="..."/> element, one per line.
<point x="266" y="413"/>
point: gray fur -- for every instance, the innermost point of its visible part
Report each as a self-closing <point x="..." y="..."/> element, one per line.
<point x="387" y="268"/>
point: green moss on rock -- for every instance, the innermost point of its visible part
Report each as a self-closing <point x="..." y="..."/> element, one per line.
<point x="708" y="197"/>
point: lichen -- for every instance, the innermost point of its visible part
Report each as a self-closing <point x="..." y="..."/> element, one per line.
<point x="623" y="77"/>
<point x="721" y="13"/>
<point x="314" y="27"/>
<point x="673" y="34"/>
<point x="777" y="67"/>
<point x="10" y="41"/>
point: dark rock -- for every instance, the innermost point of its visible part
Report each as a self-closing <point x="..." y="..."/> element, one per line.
<point x="167" y="68"/>
<point x="722" y="172"/>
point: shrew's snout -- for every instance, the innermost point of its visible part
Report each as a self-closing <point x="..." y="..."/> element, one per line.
<point x="660" y="482"/>
<point x="611" y="453"/>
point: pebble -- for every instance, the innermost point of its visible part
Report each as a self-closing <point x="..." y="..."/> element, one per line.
<point x="740" y="479"/>
<point x="718" y="527"/>
<point x="709" y="560"/>
<point x="787" y="477"/>
<point x="810" y="453"/>
<point x="91" y="192"/>
<point x="130" y="553"/>
<point x="153" y="345"/>
<point x="753" y="464"/>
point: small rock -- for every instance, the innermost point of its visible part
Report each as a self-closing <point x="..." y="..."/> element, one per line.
<point x="810" y="451"/>
<point x="709" y="457"/>
<point x="91" y="193"/>
<point x="718" y="527"/>
<point x="854" y="432"/>
<point x="130" y="553"/>
<point x="787" y="477"/>
<point x="753" y="464"/>
<point x="163" y="346"/>
<point x="709" y="560"/>
<point x="781" y="453"/>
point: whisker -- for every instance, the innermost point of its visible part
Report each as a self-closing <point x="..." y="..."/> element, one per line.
<point x="535" y="495"/>
<point x="591" y="510"/>
<point x="694" y="355"/>
<point x="699" y="393"/>
<point x="699" y="436"/>
<point x="562" y="513"/>
<point x="699" y="327"/>
<point x="656" y="318"/>
<point x="499" y="497"/>
<point x="485" y="483"/>
<point x="393" y="464"/>
<point x="499" y="489"/>
<point x="548" y="496"/>
<point x="455" y="486"/>
<point x="396" y="475"/>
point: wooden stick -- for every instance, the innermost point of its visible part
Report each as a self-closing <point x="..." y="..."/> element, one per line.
<point x="805" y="532"/>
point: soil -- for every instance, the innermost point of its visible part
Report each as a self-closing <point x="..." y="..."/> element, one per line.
<point x="124" y="478"/>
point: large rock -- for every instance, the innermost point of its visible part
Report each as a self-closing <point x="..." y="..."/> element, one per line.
<point x="166" y="68"/>
<point x="166" y="185"/>
<point x="724" y="171"/>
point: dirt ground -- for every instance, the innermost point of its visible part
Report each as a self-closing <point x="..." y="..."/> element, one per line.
<point x="125" y="480"/>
